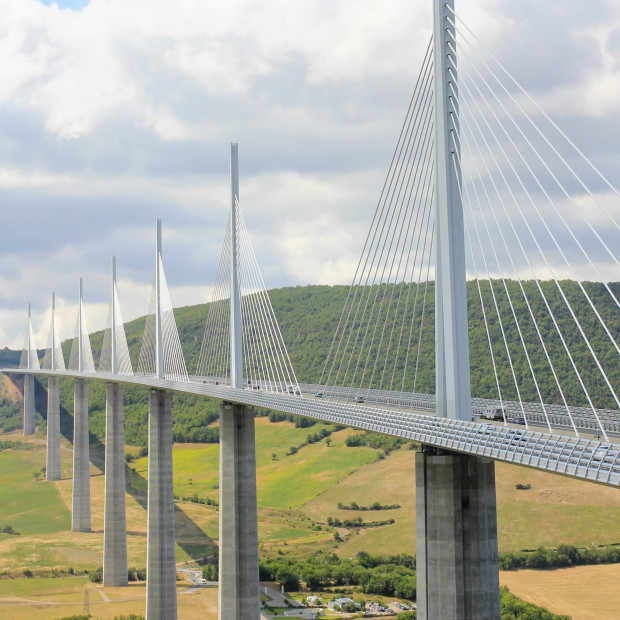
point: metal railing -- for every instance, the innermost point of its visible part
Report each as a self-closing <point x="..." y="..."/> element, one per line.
<point x="587" y="459"/>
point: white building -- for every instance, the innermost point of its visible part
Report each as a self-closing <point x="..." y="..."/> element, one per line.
<point x="339" y="604"/>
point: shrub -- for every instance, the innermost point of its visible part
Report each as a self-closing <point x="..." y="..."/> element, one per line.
<point x="136" y="574"/>
<point x="96" y="576"/>
<point x="210" y="572"/>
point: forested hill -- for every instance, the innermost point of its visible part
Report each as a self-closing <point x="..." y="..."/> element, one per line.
<point x="308" y="317"/>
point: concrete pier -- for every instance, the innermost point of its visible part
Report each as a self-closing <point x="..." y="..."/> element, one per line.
<point x="456" y="530"/>
<point x="53" y="429"/>
<point x="28" y="405"/>
<point x="80" y="519"/>
<point x="115" y="520"/>
<point x="161" y="594"/>
<point x="238" y="593"/>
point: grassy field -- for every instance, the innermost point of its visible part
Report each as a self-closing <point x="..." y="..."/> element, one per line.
<point x="296" y="495"/>
<point x="49" y="598"/>
<point x="582" y="592"/>
<point x="30" y="506"/>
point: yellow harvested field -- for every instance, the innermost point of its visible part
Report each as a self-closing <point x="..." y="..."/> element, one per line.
<point x="582" y="592"/>
<point x="104" y="603"/>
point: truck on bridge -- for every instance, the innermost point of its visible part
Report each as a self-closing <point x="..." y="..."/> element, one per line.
<point x="494" y="413"/>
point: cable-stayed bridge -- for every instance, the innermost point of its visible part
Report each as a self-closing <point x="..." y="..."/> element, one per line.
<point x="482" y="186"/>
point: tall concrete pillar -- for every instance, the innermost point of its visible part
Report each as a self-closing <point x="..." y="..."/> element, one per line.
<point x="115" y="520"/>
<point x="161" y="593"/>
<point x="28" y="405"/>
<point x="238" y="592"/>
<point x="80" y="519"/>
<point x="456" y="530"/>
<point x="53" y="429"/>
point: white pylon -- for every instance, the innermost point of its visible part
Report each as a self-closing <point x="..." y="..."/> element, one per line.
<point x="236" y="351"/>
<point x="452" y="346"/>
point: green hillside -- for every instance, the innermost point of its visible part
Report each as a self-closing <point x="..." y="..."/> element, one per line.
<point x="309" y="315"/>
<point x="302" y="494"/>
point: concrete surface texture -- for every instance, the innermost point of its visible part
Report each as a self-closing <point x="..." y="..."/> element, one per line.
<point x="28" y="405"/>
<point x="53" y="429"/>
<point x="80" y="513"/>
<point x="456" y="531"/>
<point x="115" y="520"/>
<point x="161" y="595"/>
<point x="238" y="595"/>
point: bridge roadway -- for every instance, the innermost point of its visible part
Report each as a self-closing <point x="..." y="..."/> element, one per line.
<point x="584" y="418"/>
<point x="582" y="458"/>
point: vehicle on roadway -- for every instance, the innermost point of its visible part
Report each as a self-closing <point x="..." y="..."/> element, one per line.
<point x="494" y="413"/>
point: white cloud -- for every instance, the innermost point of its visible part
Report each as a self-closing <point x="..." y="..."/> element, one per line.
<point x="121" y="112"/>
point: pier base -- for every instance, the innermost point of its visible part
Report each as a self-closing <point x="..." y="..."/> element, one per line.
<point x="161" y="589"/>
<point x="28" y="405"/>
<point x="80" y="514"/>
<point x="238" y="593"/>
<point x="456" y="530"/>
<point x="52" y="467"/>
<point x="115" y="520"/>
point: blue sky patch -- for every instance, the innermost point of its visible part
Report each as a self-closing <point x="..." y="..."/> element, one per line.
<point x="74" y="5"/>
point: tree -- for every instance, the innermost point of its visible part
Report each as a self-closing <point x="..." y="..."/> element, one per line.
<point x="210" y="572"/>
<point x="288" y="579"/>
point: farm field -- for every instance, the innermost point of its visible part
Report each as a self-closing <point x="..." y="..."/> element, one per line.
<point x="297" y="492"/>
<point x="582" y="592"/>
<point x="296" y="495"/>
<point x="51" y="598"/>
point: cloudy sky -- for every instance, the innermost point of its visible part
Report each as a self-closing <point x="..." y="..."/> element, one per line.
<point x="116" y="112"/>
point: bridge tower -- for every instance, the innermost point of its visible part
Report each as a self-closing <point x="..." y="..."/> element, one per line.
<point x="456" y="520"/>
<point x="31" y="361"/>
<point x="115" y="519"/>
<point x="238" y="551"/>
<point x="161" y="592"/>
<point x="80" y="513"/>
<point x="52" y="467"/>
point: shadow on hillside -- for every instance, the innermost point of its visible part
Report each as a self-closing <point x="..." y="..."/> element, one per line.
<point x="188" y="534"/>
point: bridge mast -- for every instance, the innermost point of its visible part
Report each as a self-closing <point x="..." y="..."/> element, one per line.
<point x="161" y="597"/>
<point x="80" y="331"/>
<point x="53" y="465"/>
<point x="115" y="520"/>
<point x="456" y="519"/>
<point x="452" y="347"/>
<point x="29" y="413"/>
<point x="113" y="353"/>
<point x="238" y="552"/>
<point x="159" y="344"/>
<point x="236" y="366"/>
<point x="80" y="508"/>
<point x="28" y="337"/>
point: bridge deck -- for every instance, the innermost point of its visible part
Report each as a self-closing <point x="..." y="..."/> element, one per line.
<point x="581" y="458"/>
